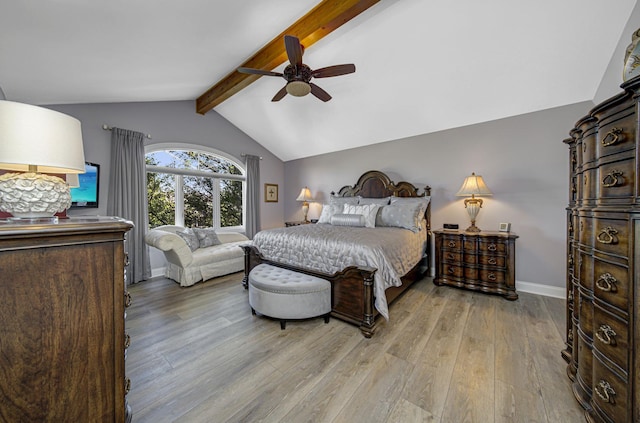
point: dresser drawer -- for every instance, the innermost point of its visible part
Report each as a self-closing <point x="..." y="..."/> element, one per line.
<point x="610" y="393"/>
<point x="585" y="312"/>
<point x="617" y="133"/>
<point x="585" y="230"/>
<point x="617" y="179"/>
<point x="611" y="236"/>
<point x="588" y="147"/>
<point x="589" y="184"/>
<point x="485" y="260"/>
<point x="470" y="245"/>
<point x="611" y="284"/>
<point x="610" y="337"/>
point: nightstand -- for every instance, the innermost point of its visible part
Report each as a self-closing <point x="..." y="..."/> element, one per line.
<point x="296" y="223"/>
<point x="479" y="261"/>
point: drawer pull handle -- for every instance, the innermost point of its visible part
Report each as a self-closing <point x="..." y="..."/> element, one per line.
<point x="492" y="276"/>
<point x="127" y="385"/>
<point x="451" y="270"/>
<point x="612" y="137"/>
<point x="492" y="260"/>
<point x="606" y="282"/>
<point x="452" y="244"/>
<point x="608" y="236"/>
<point x="492" y="247"/>
<point x="606" y="335"/>
<point x="605" y="391"/>
<point x="127" y="299"/>
<point x="584" y="148"/>
<point x="611" y="179"/>
<point x="450" y="256"/>
<point x="127" y="341"/>
<point x="126" y="260"/>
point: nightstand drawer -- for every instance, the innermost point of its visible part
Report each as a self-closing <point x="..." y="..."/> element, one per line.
<point x="492" y="276"/>
<point x="495" y="246"/>
<point x="453" y="271"/>
<point x="452" y="257"/>
<point x="451" y="242"/>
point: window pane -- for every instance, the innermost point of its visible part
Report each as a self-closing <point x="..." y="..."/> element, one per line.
<point x="230" y="203"/>
<point x="161" y="199"/>
<point x="198" y="202"/>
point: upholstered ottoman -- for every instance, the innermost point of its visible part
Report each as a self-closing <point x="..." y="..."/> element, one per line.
<point x="286" y="295"/>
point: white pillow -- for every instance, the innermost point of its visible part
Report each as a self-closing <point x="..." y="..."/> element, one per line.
<point x="369" y="211"/>
<point x="328" y="210"/>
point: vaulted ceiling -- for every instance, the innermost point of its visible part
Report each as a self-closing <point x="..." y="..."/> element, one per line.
<point x="421" y="66"/>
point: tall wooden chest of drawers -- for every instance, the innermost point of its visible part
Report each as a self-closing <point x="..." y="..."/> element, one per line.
<point x="62" y="331"/>
<point x="479" y="261"/>
<point x="603" y="260"/>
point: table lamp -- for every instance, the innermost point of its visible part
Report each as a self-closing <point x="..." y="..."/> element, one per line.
<point x="305" y="197"/>
<point x="38" y="142"/>
<point x="473" y="185"/>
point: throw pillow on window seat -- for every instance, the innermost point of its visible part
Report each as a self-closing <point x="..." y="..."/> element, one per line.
<point x="207" y="237"/>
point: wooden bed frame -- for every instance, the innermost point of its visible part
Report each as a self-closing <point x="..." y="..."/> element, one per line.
<point x="352" y="295"/>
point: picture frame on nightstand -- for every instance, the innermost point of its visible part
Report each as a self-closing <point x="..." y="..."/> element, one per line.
<point x="504" y="227"/>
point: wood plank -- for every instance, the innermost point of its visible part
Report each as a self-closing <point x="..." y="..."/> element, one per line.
<point x="428" y="363"/>
<point x="323" y="19"/>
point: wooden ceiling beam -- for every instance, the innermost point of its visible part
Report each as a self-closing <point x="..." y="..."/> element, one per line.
<point x="323" y="19"/>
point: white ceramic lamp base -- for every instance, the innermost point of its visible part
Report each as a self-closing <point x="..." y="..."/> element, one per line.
<point x="33" y="195"/>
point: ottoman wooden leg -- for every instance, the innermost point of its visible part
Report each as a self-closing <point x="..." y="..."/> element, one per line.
<point x="283" y="324"/>
<point x="326" y="318"/>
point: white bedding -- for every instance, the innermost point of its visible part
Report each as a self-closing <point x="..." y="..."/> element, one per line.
<point x="328" y="249"/>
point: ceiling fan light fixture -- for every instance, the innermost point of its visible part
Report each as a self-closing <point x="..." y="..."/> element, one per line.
<point x="298" y="88"/>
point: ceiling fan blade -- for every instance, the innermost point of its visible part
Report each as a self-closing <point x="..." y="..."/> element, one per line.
<point x="334" y="71"/>
<point x="280" y="94"/>
<point x="294" y="49"/>
<point x="258" y="72"/>
<point x="319" y="92"/>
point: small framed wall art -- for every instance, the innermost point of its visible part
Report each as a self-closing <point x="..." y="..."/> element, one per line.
<point x="271" y="193"/>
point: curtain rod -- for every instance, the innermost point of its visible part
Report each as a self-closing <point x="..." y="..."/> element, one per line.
<point x="245" y="155"/>
<point x="109" y="128"/>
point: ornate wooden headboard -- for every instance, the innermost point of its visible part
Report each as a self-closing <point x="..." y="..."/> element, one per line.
<point x="376" y="184"/>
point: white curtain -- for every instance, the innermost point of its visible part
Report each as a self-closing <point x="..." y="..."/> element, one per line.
<point x="128" y="197"/>
<point x="252" y="216"/>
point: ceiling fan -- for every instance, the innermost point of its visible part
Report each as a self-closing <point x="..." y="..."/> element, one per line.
<point x="298" y="75"/>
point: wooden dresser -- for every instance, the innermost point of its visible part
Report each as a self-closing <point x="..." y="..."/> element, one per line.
<point x="603" y="263"/>
<point x="481" y="261"/>
<point x="62" y="332"/>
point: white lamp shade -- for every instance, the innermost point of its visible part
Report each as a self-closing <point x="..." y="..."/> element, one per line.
<point x="305" y="195"/>
<point x="473" y="185"/>
<point x="32" y="135"/>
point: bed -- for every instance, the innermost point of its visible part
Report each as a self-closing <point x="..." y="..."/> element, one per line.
<point x="385" y="261"/>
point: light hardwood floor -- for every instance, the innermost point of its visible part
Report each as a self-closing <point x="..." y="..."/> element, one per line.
<point x="198" y="355"/>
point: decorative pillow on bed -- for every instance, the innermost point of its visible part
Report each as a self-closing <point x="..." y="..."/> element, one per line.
<point x="347" y="220"/>
<point x="405" y="213"/>
<point x="368" y="200"/>
<point x="207" y="237"/>
<point x="369" y="212"/>
<point x="341" y="201"/>
<point x="329" y="210"/>
<point x="190" y="238"/>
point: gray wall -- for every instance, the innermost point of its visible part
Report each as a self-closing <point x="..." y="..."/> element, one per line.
<point x="522" y="159"/>
<point x="176" y="123"/>
<point x="173" y="122"/>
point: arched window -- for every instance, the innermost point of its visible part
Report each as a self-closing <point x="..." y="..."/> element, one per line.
<point x="192" y="187"/>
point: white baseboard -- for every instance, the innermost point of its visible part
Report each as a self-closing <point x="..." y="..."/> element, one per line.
<point x="539" y="289"/>
<point x="159" y="272"/>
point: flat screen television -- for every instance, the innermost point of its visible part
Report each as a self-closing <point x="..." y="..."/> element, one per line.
<point x="87" y="194"/>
